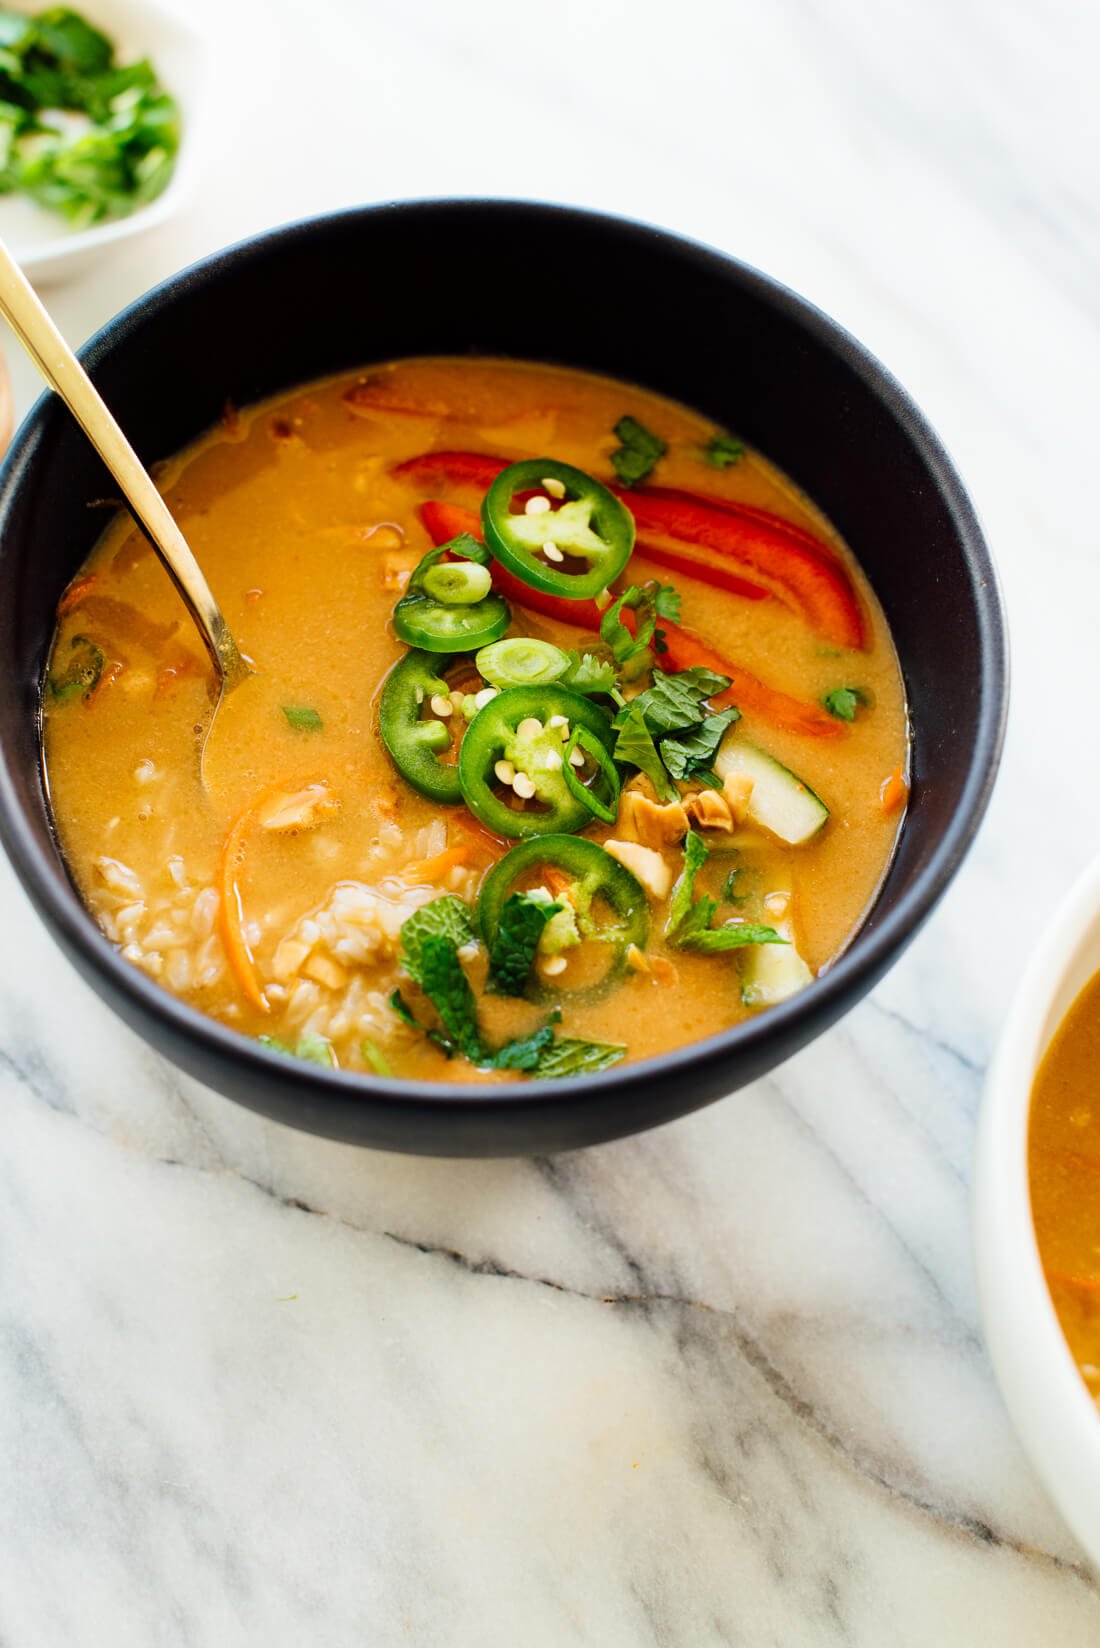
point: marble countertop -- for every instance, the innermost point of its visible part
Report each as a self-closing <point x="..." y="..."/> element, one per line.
<point x="722" y="1383"/>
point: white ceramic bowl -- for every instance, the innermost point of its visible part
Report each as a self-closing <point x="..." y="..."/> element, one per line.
<point x="1057" y="1419"/>
<point x="47" y="248"/>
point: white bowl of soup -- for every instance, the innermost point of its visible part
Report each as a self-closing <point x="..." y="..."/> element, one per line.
<point x="1037" y="1209"/>
<point x="577" y="783"/>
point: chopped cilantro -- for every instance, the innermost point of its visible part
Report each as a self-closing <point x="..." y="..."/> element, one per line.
<point x="516" y="941"/>
<point x="639" y="451"/>
<point x="588" y="672"/>
<point x="115" y="146"/>
<point x="723" y="450"/>
<point x="648" y="602"/>
<point x="843" y="702"/>
<point x="302" y="717"/>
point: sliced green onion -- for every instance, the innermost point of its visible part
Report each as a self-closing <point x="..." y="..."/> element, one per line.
<point x="302" y="717"/>
<point x="521" y="661"/>
<point x="457" y="583"/>
<point x="606" y="811"/>
<point x="375" y="1058"/>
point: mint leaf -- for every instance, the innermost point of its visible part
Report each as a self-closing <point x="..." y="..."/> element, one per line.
<point x="634" y="745"/>
<point x="843" y="702"/>
<point x="448" y="989"/>
<point x="679" y="909"/>
<point x="689" y="918"/>
<point x="723" y="450"/>
<point x="448" y="917"/>
<point x="692" y="755"/>
<point x="731" y="935"/>
<point x="525" y="1052"/>
<point x="302" y="717"/>
<point x="638" y="453"/>
<point x="569" y="1056"/>
<point x="674" y="701"/>
<point x="515" y="942"/>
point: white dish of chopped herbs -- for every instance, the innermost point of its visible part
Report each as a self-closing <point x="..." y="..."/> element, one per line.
<point x="98" y="109"/>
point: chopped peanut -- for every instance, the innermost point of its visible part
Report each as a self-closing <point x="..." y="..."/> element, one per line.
<point x="737" y="790"/>
<point x="709" y="810"/>
<point x="651" y="824"/>
<point x="288" y="958"/>
<point x="323" y="970"/>
<point x="396" y="570"/>
<point x="649" y="867"/>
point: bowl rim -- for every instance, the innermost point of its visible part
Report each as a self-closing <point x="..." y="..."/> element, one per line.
<point x="868" y="953"/>
<point x="1044" y="1392"/>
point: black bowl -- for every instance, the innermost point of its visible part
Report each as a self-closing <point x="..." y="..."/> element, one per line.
<point x="545" y="283"/>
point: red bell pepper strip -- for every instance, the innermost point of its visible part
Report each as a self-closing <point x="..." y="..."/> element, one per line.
<point x="813" y="583"/>
<point x="799" y="567"/>
<point x="705" y="572"/>
<point x="748" y="692"/>
<point x="478" y="469"/>
<point x="445" y="521"/>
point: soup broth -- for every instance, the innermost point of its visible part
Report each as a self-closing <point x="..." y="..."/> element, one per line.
<point x="275" y="902"/>
<point x="1064" y="1171"/>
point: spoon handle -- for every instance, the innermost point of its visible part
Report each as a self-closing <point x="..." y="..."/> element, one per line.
<point x="22" y="309"/>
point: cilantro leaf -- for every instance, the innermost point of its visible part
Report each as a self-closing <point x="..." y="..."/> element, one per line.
<point x="843" y="702"/>
<point x="634" y="745"/>
<point x="648" y="602"/>
<point x="639" y="451"/>
<point x="667" y="599"/>
<point x="588" y="672"/>
<point x="569" y="1056"/>
<point x="692" y="755"/>
<point x="689" y="918"/>
<point x="516" y="940"/>
<point x="447" y="917"/>
<point x="723" y="450"/>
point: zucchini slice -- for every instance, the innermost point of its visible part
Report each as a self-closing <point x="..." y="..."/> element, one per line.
<point x="772" y="972"/>
<point x="780" y="801"/>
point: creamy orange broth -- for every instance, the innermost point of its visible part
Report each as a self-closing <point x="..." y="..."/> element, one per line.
<point x="305" y="534"/>
<point x="1064" y="1169"/>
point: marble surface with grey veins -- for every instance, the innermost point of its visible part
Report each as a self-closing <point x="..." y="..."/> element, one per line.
<point x="723" y="1383"/>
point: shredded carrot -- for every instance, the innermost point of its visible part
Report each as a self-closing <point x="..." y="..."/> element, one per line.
<point x="895" y="792"/>
<point x="555" y="879"/>
<point x="230" y="911"/>
<point x="434" y="869"/>
<point x="76" y="592"/>
<point x="482" y="840"/>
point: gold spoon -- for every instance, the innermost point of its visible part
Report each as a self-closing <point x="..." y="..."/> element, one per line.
<point x="32" y="325"/>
